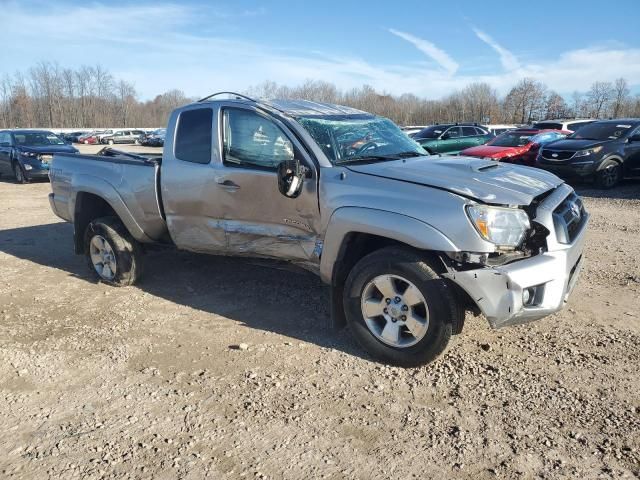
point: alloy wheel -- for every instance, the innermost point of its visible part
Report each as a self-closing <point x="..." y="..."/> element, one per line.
<point x="395" y="311"/>
<point x="103" y="257"/>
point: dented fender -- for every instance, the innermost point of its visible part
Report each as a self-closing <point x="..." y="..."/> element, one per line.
<point x="402" y="228"/>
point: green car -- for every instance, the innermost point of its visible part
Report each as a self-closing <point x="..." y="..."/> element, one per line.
<point x="452" y="138"/>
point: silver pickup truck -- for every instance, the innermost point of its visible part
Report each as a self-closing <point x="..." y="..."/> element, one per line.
<point x="407" y="242"/>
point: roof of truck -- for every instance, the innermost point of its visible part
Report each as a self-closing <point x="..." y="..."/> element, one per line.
<point x="294" y="108"/>
<point x="307" y="108"/>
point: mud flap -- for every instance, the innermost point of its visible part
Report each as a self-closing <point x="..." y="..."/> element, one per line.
<point x="337" y="320"/>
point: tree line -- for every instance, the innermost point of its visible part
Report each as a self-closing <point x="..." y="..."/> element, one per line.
<point x="50" y="96"/>
<point x="528" y="100"/>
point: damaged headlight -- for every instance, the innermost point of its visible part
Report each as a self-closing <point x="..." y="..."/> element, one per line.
<point x="506" y="227"/>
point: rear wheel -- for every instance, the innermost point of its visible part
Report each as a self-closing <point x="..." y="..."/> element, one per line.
<point x="398" y="308"/>
<point x="609" y="175"/>
<point x="19" y="173"/>
<point x="111" y="253"/>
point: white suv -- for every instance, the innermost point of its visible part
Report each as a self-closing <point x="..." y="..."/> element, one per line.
<point x="570" y="125"/>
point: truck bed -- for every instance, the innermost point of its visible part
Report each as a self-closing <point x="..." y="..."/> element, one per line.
<point x="128" y="182"/>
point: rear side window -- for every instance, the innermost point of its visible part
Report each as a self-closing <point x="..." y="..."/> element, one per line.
<point x="194" y="135"/>
<point x="575" y="126"/>
<point x="469" y="132"/>
<point x="548" y="126"/>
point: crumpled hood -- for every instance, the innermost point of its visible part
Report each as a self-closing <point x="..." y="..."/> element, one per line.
<point x="484" y="180"/>
<point x="491" y="151"/>
<point x="573" y="145"/>
<point x="48" y="149"/>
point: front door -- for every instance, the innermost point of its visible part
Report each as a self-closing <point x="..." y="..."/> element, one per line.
<point x="632" y="153"/>
<point x="221" y="195"/>
<point x="5" y="152"/>
<point x="258" y="218"/>
<point x="450" y="141"/>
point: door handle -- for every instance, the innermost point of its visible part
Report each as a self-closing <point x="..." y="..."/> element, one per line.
<point x="228" y="185"/>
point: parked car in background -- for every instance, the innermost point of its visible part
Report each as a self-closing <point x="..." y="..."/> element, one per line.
<point x="516" y="146"/>
<point x="73" y="137"/>
<point x="406" y="242"/>
<point x="498" y="129"/>
<point x="411" y="130"/>
<point x="571" y="125"/>
<point x="123" y="136"/>
<point x="105" y="133"/>
<point x="452" y="137"/>
<point x="604" y="151"/>
<point x="27" y="154"/>
<point x="90" y="138"/>
<point x="155" y="138"/>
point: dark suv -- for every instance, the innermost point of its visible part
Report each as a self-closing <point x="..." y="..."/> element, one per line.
<point x="604" y="152"/>
<point x="27" y="154"/>
<point x="452" y="137"/>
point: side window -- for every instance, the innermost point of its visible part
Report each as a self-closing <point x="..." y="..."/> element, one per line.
<point x="469" y="132"/>
<point x="453" y="132"/>
<point x="577" y="126"/>
<point x="5" y="138"/>
<point x="251" y="140"/>
<point x="482" y="132"/>
<point x="194" y="135"/>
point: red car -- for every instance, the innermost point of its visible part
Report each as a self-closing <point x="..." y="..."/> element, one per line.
<point x="516" y="146"/>
<point x="90" y="138"/>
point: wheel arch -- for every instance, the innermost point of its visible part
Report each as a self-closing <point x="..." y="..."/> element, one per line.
<point x="94" y="198"/>
<point x="354" y="232"/>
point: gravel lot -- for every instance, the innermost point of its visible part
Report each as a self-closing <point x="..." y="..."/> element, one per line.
<point x="222" y="368"/>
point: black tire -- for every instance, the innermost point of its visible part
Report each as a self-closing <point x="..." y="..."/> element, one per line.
<point x="127" y="251"/>
<point x="609" y="174"/>
<point x="441" y="302"/>
<point x="19" y="174"/>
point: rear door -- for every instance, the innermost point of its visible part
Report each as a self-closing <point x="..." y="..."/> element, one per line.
<point x="470" y="138"/>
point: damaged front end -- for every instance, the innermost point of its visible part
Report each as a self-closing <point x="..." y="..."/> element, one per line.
<point x="528" y="283"/>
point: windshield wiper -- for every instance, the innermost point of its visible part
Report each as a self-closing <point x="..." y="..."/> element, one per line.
<point x="407" y="155"/>
<point x="368" y="158"/>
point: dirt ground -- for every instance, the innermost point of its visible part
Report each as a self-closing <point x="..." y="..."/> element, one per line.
<point x="149" y="381"/>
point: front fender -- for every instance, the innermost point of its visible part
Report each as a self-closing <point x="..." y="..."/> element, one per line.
<point x="395" y="226"/>
<point x="106" y="191"/>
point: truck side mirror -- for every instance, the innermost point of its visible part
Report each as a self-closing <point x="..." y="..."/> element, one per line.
<point x="290" y="177"/>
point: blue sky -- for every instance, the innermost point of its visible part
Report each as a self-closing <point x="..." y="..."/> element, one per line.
<point x="428" y="48"/>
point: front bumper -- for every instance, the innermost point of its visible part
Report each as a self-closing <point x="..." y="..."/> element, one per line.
<point x="571" y="170"/>
<point x="35" y="170"/>
<point x="498" y="291"/>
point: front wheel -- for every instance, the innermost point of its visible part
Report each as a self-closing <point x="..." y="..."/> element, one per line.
<point x="398" y="308"/>
<point x="110" y="142"/>
<point x="19" y="174"/>
<point x="609" y="175"/>
<point x="111" y="253"/>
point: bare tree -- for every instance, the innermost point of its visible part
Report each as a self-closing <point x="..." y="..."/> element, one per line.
<point x="620" y="97"/>
<point x="556" y="106"/>
<point x="599" y="98"/>
<point x="526" y="101"/>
